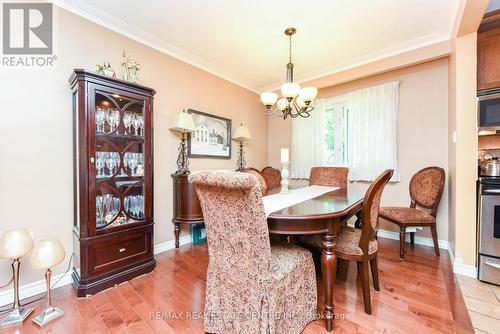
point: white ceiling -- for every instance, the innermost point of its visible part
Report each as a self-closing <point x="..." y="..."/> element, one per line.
<point x="243" y="41"/>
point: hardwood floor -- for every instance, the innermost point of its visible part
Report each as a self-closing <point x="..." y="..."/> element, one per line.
<point x="418" y="295"/>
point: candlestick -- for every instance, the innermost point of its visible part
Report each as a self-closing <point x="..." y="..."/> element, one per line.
<point x="284" y="176"/>
<point x="284" y="155"/>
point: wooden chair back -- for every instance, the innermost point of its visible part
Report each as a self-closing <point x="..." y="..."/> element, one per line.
<point x="370" y="209"/>
<point x="272" y="176"/>
<point x="426" y="188"/>
<point x="329" y="176"/>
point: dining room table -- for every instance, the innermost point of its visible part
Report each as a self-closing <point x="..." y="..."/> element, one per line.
<point x="322" y="214"/>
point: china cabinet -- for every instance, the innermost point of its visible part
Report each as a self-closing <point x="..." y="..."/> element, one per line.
<point x="113" y="181"/>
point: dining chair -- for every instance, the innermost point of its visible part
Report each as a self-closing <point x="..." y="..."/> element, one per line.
<point x="251" y="286"/>
<point x="272" y="176"/>
<point x="360" y="245"/>
<point x="260" y="178"/>
<point x="426" y="189"/>
<point x="329" y="176"/>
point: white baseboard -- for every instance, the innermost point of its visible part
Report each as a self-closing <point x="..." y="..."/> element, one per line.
<point x="35" y="288"/>
<point x="443" y="244"/>
<point x="168" y="245"/>
<point x="32" y="289"/>
<point x="460" y="268"/>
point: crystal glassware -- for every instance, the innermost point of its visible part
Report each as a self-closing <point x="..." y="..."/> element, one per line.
<point x="99" y="208"/>
<point x="127" y="121"/>
<point x="136" y="121"/>
<point x="141" y="125"/>
<point x="100" y="163"/>
<point x="113" y="119"/>
<point x="100" y="118"/>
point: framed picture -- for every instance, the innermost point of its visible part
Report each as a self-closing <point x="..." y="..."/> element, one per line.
<point x="212" y="137"/>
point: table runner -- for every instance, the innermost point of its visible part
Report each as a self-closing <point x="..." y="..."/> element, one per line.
<point x="280" y="201"/>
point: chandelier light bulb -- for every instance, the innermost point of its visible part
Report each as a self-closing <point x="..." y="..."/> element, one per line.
<point x="300" y="102"/>
<point x="308" y="94"/>
<point x="282" y="104"/>
<point x="290" y="90"/>
<point x="268" y="99"/>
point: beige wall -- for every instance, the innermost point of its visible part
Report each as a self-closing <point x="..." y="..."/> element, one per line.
<point x="423" y="123"/>
<point x="463" y="153"/>
<point x="36" y="130"/>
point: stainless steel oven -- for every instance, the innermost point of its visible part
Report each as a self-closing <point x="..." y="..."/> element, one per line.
<point x="489" y="230"/>
<point x="489" y="112"/>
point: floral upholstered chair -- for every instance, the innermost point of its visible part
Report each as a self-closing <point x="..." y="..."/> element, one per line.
<point x="252" y="287"/>
<point x="426" y="188"/>
<point x="272" y="176"/>
<point x="264" y="187"/>
<point x="329" y="176"/>
<point x="361" y="245"/>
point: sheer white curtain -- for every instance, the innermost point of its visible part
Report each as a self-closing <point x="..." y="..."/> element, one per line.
<point x="372" y="132"/>
<point x="308" y="141"/>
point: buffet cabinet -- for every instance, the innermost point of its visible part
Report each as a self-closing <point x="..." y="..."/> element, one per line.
<point x="113" y="181"/>
<point x="187" y="208"/>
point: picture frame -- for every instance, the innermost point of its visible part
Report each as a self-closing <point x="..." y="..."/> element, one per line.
<point x="212" y="137"/>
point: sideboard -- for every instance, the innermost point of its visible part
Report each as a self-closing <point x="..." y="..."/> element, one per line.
<point x="187" y="209"/>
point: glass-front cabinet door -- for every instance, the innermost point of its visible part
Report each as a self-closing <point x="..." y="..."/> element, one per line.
<point x="120" y="174"/>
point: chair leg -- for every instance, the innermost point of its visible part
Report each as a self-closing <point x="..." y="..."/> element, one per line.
<point x="357" y="224"/>
<point x="402" y="237"/>
<point x="412" y="238"/>
<point x="374" y="268"/>
<point x="435" y="239"/>
<point x="365" y="285"/>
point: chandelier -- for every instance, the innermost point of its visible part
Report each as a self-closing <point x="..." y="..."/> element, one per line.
<point x="295" y="101"/>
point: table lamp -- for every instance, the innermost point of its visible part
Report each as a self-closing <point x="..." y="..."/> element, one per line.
<point x="184" y="124"/>
<point x="47" y="254"/>
<point x="14" y="244"/>
<point x="241" y="134"/>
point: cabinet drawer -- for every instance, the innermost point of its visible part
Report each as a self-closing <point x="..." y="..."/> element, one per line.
<point x="114" y="252"/>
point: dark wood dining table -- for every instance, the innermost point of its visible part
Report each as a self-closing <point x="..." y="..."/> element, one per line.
<point x="320" y="215"/>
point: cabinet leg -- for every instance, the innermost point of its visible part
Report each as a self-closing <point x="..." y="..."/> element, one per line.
<point x="177" y="232"/>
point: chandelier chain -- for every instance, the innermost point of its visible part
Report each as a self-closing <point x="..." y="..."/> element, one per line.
<point x="290" y="49"/>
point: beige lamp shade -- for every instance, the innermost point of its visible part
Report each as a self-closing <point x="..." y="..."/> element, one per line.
<point x="241" y="133"/>
<point x="47" y="254"/>
<point x="183" y="122"/>
<point x="15" y="244"/>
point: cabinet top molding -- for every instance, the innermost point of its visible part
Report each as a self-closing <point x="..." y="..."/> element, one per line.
<point x="84" y="75"/>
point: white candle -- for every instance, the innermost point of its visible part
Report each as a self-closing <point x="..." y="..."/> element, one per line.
<point x="284" y="155"/>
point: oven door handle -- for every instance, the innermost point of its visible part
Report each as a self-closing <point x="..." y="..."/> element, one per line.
<point x="494" y="265"/>
<point x="491" y="191"/>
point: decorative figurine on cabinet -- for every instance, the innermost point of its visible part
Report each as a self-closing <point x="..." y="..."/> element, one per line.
<point x="130" y="68"/>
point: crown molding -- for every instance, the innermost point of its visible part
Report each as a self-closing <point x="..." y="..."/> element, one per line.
<point x="80" y="8"/>
<point x="93" y="14"/>
<point x="414" y="44"/>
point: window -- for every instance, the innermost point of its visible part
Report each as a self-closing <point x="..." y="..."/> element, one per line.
<point x="336" y="125"/>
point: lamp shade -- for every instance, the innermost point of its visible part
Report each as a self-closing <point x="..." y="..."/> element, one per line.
<point x="183" y="122"/>
<point x="241" y="133"/>
<point x="47" y="254"/>
<point x="15" y="244"/>
<point x="308" y="93"/>
<point x="268" y="98"/>
<point x="290" y="90"/>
